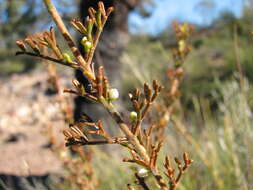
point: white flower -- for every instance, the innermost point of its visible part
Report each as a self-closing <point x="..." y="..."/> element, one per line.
<point x="143" y="172"/>
<point x="113" y="94"/>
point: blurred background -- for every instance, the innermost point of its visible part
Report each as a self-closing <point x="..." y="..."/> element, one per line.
<point x="216" y="94"/>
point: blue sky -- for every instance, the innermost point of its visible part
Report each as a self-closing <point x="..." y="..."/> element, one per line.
<point x="165" y="11"/>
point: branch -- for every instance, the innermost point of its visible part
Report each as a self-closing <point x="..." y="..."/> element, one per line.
<point x="159" y="179"/>
<point x="92" y="51"/>
<point x="99" y="142"/>
<point x="81" y="143"/>
<point x="141" y="182"/>
<point x="57" y="19"/>
<point x="124" y="128"/>
<point x="72" y="64"/>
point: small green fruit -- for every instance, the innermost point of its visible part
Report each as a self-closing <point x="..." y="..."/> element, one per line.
<point x="87" y="46"/>
<point x="133" y="115"/>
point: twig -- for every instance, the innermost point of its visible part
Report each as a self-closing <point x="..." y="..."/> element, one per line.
<point x="141" y="182"/>
<point x="159" y="179"/>
<point x="81" y="143"/>
<point x="57" y="19"/>
<point x="72" y="64"/>
<point x="98" y="142"/>
<point x="92" y="51"/>
<point x="131" y="137"/>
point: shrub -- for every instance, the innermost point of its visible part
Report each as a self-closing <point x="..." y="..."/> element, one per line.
<point x="141" y="138"/>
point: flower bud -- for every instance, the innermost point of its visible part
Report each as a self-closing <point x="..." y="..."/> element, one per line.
<point x="182" y="46"/>
<point x="67" y="57"/>
<point x="113" y="94"/>
<point x="143" y="173"/>
<point x="21" y="45"/>
<point x="133" y="115"/>
<point x="84" y="39"/>
<point x="86" y="44"/>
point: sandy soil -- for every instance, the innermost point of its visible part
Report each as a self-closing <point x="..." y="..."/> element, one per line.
<point x="25" y="114"/>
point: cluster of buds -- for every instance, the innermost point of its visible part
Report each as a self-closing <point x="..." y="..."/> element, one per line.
<point x="89" y="41"/>
<point x="175" y="74"/>
<point x="38" y="44"/>
<point x="77" y="133"/>
<point x="170" y="172"/>
<point x="96" y="18"/>
<point x="152" y="137"/>
<point x="141" y="105"/>
<point x="86" y="44"/>
<point x="183" y="32"/>
<point x="96" y="91"/>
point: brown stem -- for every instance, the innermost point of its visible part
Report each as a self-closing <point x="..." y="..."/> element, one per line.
<point x="80" y="143"/>
<point x="137" y="128"/>
<point x="141" y="182"/>
<point x="115" y="140"/>
<point x="92" y="51"/>
<point x="73" y="64"/>
<point x="133" y="140"/>
<point x="57" y="19"/>
<point x="159" y="179"/>
<point x="124" y="128"/>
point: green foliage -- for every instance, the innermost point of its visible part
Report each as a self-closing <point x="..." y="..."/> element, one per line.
<point x="213" y="56"/>
<point x="144" y="64"/>
<point x="18" y="18"/>
<point x="223" y="141"/>
<point x="15" y="20"/>
<point x="218" y="125"/>
<point x="218" y="54"/>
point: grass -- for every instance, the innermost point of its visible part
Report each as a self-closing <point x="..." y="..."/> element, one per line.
<point x="220" y="141"/>
<point x="218" y="138"/>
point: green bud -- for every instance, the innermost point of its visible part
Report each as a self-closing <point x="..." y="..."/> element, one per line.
<point x="67" y="57"/>
<point x="86" y="44"/>
<point x="133" y="116"/>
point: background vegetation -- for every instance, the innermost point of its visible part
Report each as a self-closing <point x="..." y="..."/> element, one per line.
<point x="214" y="118"/>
